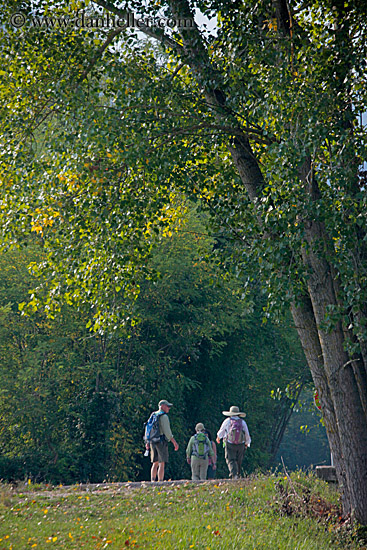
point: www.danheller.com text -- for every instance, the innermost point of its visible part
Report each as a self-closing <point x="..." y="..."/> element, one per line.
<point x="101" y="21"/>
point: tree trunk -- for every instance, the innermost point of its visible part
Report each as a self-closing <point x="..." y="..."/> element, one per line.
<point x="304" y="321"/>
<point x="283" y="415"/>
<point x="350" y="418"/>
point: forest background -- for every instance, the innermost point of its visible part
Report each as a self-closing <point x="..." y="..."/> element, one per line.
<point x="73" y="403"/>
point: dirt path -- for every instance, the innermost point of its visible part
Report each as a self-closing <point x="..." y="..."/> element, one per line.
<point x="117" y="487"/>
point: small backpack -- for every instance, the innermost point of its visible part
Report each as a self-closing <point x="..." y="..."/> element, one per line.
<point x="200" y="447"/>
<point x="235" y="434"/>
<point x="152" y="432"/>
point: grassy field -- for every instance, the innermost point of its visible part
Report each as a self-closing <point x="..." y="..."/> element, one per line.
<point x="266" y="512"/>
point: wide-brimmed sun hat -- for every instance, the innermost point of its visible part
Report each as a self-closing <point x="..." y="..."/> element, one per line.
<point x="234" y="411"/>
<point x="199" y="427"/>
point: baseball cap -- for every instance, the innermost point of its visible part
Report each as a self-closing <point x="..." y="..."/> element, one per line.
<point x="165" y="402"/>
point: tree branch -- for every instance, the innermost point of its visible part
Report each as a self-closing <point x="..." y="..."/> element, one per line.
<point x="156" y="33"/>
<point x="229" y="130"/>
<point x="99" y="53"/>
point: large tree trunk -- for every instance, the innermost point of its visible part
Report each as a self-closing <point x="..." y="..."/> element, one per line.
<point x="305" y="324"/>
<point x="344" y="391"/>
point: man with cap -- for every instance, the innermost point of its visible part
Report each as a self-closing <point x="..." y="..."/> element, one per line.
<point x="234" y="432"/>
<point x="198" y="450"/>
<point x="159" y="450"/>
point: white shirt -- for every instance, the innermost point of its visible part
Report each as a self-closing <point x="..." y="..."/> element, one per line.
<point x="224" y="429"/>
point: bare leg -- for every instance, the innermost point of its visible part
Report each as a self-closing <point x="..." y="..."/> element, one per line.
<point x="153" y="471"/>
<point x="161" y="471"/>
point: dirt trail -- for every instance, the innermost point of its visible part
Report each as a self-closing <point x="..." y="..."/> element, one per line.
<point x="116" y="487"/>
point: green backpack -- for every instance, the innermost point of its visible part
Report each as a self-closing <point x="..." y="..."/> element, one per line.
<point x="200" y="447"/>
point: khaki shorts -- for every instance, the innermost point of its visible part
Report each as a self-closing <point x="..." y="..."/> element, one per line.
<point x="159" y="451"/>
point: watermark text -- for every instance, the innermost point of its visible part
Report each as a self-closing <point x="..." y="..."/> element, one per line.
<point x="84" y="20"/>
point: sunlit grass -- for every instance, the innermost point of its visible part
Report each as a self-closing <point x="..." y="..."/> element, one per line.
<point x="243" y="515"/>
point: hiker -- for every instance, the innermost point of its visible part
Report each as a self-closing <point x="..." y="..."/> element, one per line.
<point x="234" y="432"/>
<point x="212" y="460"/>
<point x="158" y="442"/>
<point x="197" y="452"/>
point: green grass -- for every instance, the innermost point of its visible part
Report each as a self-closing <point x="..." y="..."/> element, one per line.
<point x="240" y="515"/>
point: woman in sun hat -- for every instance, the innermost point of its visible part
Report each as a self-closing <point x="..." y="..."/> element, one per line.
<point x="236" y="437"/>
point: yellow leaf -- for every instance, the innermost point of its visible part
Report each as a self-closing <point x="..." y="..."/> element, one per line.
<point x="272" y="24"/>
<point x="37" y="228"/>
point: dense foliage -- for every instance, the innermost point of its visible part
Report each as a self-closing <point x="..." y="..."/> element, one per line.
<point x="73" y="403"/>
